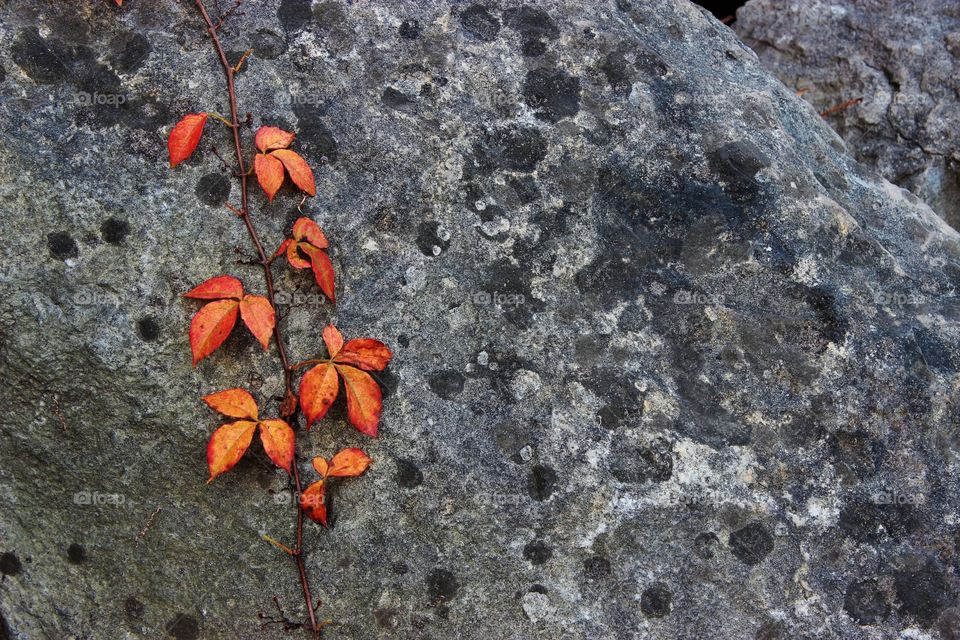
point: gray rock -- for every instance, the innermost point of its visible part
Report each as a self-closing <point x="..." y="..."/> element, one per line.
<point x="648" y="314"/>
<point x="903" y="60"/>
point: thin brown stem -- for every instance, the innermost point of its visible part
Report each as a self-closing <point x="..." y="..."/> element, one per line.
<point x="244" y="213"/>
<point x="306" y="363"/>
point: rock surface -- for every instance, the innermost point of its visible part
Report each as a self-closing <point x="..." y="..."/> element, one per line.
<point x="901" y="57"/>
<point x="670" y="363"/>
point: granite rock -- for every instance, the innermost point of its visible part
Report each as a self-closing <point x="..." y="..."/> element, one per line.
<point x="669" y="362"/>
<point x="902" y="58"/>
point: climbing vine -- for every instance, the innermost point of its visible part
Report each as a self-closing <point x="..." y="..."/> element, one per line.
<point x="225" y="298"/>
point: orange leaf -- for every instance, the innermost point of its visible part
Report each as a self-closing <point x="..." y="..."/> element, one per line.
<point x="298" y="169"/>
<point x="227" y="445"/>
<point x="333" y="339"/>
<point x="236" y="403"/>
<point x="211" y="326"/>
<point x="366" y="353"/>
<point x="320" y="464"/>
<point x="269" y="174"/>
<point x="259" y="317"/>
<point x="293" y="256"/>
<point x="313" y="501"/>
<point x="349" y="463"/>
<point x="322" y="269"/>
<point x="307" y="229"/>
<point x="217" y="288"/>
<point x="318" y="390"/>
<point x="278" y="441"/>
<point x="184" y="137"/>
<point x="270" y="138"/>
<point x="364" y="400"/>
<point x="282" y="248"/>
<point x="119" y="3"/>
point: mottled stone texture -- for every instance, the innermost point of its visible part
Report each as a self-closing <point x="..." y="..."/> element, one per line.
<point x="670" y="363"/>
<point x="901" y="56"/>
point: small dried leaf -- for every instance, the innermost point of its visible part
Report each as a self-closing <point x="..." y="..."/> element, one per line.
<point x="184" y="137"/>
<point x="313" y="501"/>
<point x="269" y="172"/>
<point x="298" y="169"/>
<point x="364" y="399"/>
<point x="333" y="339"/>
<point x="259" y="317"/>
<point x="320" y="464"/>
<point x="318" y="390"/>
<point x="236" y="403"/>
<point x="279" y="442"/>
<point x="211" y="326"/>
<point x="227" y="445"/>
<point x="349" y="463"/>
<point x="366" y="353"/>
<point x="306" y="229"/>
<point x="216" y="289"/>
<point x="270" y="138"/>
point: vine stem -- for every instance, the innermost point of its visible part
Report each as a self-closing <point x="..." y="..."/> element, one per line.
<point x="264" y="261"/>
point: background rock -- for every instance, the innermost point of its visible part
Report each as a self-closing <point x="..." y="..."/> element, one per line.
<point x="670" y="363"/>
<point x="902" y="58"/>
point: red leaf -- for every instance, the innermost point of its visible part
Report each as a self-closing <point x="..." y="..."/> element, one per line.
<point x="298" y="169"/>
<point x="320" y="464"/>
<point x="333" y="339"/>
<point x="349" y="463"/>
<point x="278" y="441"/>
<point x="270" y="138"/>
<point x="216" y="289"/>
<point x="259" y="317"/>
<point x="364" y="400"/>
<point x="236" y="403"/>
<point x="318" y="390"/>
<point x="293" y="256"/>
<point x="282" y="248"/>
<point x="322" y="269"/>
<point x="313" y="501"/>
<point x="184" y="137"/>
<point x="227" y="445"/>
<point x="211" y="326"/>
<point x="307" y="229"/>
<point x="366" y="353"/>
<point x="269" y="174"/>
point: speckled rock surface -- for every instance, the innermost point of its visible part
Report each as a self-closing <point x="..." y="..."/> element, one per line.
<point x="901" y="57"/>
<point x="670" y="364"/>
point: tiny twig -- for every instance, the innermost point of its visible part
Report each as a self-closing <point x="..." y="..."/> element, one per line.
<point x="226" y="14"/>
<point x="57" y="411"/>
<point x="223" y="163"/>
<point x="246" y="54"/>
<point x="146" y="528"/>
<point x="840" y="107"/>
<point x="305" y="363"/>
<point x="279" y="545"/>
<point x="220" y="118"/>
<point x="288" y="625"/>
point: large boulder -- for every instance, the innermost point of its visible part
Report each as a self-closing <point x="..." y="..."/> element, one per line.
<point x="902" y="58"/>
<point x="669" y="362"/>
